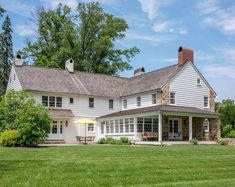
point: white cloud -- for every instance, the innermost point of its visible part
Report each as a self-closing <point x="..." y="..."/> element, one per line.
<point x="215" y="16"/>
<point x="152" y="7"/>
<point x="168" y="27"/>
<point x="25" y="30"/>
<point x="164" y="26"/>
<point x="154" y="39"/>
<point x="17" y="7"/>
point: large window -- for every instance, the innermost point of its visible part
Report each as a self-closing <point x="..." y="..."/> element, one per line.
<point x="172" y="98"/>
<point x="52" y="101"/>
<point x="138" y="100"/>
<point x="132" y="125"/>
<point x="206" y="103"/>
<point x="124" y="103"/>
<point x="154" y="98"/>
<point x="110" y="103"/>
<point x="107" y="126"/>
<point x="91" y="102"/>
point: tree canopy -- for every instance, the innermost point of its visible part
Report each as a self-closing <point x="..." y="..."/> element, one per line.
<point x="87" y="35"/>
<point x="1" y="11"/>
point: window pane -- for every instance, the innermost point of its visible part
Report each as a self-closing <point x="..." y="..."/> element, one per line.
<point x="90" y="127"/>
<point x="107" y="126"/>
<point x="110" y="104"/>
<point x="102" y="127"/>
<point x="140" y="124"/>
<point x="54" y="127"/>
<point x="91" y="102"/>
<point x="71" y="100"/>
<point x="127" y="128"/>
<point x="111" y="126"/>
<point x="124" y="103"/>
<point x="155" y="125"/>
<point x="176" y="126"/>
<point x="121" y="125"/>
<point x="154" y="98"/>
<point x="138" y="101"/>
<point x="45" y="100"/>
<point x="132" y="125"/>
<point x="61" y="127"/>
<point x="171" y="126"/>
<point x="58" y="101"/>
<point x="52" y="101"/>
<point x="116" y="126"/>
<point x="206" y="101"/>
<point x="147" y="124"/>
<point x="172" y="98"/>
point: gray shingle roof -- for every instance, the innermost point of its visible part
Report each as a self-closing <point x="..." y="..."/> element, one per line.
<point x="61" y="81"/>
<point x="163" y="108"/>
<point x="61" y="113"/>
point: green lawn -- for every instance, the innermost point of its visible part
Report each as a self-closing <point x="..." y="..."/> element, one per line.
<point x="186" y="165"/>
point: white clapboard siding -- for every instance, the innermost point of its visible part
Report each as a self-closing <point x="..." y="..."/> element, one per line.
<point x="13" y="84"/>
<point x="146" y="100"/>
<point x="188" y="93"/>
<point x="80" y="107"/>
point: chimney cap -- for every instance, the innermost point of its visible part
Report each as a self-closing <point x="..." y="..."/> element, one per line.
<point x="139" y="71"/>
<point x="182" y="48"/>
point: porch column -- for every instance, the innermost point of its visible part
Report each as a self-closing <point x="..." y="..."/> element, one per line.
<point x="190" y="128"/>
<point x="160" y="127"/>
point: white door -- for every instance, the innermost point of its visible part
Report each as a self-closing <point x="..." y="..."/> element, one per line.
<point x="57" y="130"/>
<point x="175" y="129"/>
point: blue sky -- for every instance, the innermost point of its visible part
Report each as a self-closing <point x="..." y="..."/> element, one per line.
<point x="158" y="28"/>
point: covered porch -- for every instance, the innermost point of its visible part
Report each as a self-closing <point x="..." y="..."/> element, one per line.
<point x="159" y="124"/>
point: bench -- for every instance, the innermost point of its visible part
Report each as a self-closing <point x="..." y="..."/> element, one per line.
<point x="149" y="136"/>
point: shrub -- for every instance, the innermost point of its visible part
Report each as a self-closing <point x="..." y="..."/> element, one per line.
<point x="10" y="138"/>
<point x="231" y="134"/>
<point x="223" y="141"/>
<point x="19" y="110"/>
<point x="121" y="141"/>
<point x="194" y="141"/>
<point x="124" y="140"/>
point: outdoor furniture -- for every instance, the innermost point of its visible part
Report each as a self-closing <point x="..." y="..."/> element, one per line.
<point x="149" y="136"/>
<point x="85" y="139"/>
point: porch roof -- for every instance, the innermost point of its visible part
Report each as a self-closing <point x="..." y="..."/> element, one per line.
<point x="164" y="109"/>
<point x="61" y="113"/>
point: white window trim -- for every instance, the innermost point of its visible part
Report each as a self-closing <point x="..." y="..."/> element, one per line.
<point x="93" y="127"/>
<point x="208" y="104"/>
<point x="199" y="84"/>
<point x="170" y="98"/>
<point x="208" y="124"/>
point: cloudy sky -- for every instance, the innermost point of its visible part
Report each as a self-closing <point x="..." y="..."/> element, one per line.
<point x="158" y="28"/>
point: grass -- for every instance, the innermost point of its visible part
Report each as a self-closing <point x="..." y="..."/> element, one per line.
<point x="186" y="165"/>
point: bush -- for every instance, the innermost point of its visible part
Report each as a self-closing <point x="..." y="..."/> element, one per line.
<point x="194" y="141"/>
<point x="121" y="141"/>
<point x="223" y="141"/>
<point x="10" y="138"/>
<point x="19" y="111"/>
<point x="124" y="140"/>
<point x="228" y="131"/>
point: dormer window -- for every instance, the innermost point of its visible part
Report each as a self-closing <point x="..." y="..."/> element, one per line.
<point x="199" y="82"/>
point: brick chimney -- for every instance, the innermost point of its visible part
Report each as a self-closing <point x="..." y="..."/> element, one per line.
<point x="69" y="65"/>
<point x="184" y="55"/>
<point x="18" y="60"/>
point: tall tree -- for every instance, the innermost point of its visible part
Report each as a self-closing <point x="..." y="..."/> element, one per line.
<point x="88" y="36"/>
<point x="1" y="11"/>
<point x="6" y="53"/>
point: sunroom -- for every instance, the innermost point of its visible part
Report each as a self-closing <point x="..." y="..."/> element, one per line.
<point x="161" y="123"/>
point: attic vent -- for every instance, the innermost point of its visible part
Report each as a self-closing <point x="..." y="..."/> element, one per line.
<point x="139" y="71"/>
